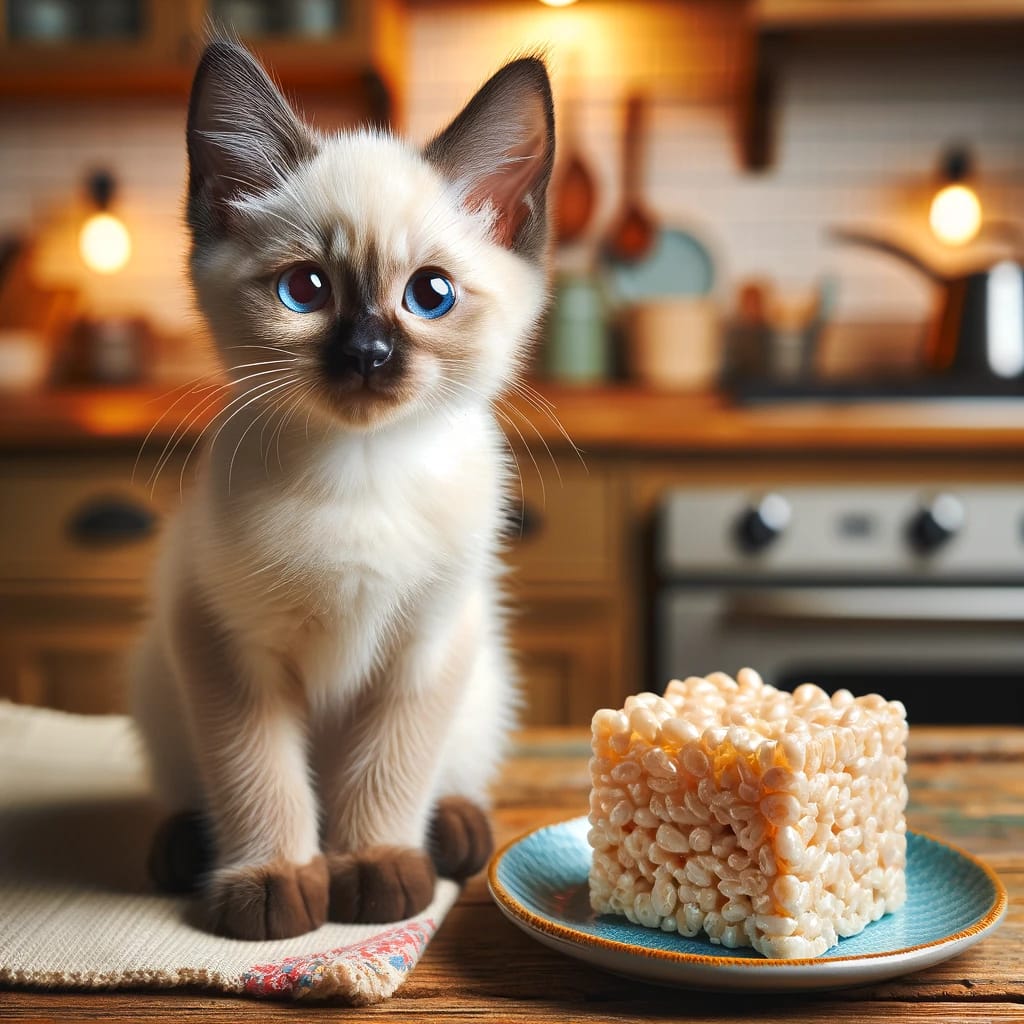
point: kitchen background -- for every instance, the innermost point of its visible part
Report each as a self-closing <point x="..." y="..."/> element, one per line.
<point x="866" y="542"/>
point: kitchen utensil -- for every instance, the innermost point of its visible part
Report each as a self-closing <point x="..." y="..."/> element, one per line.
<point x="540" y="884"/>
<point x="796" y="322"/>
<point x="674" y="343"/>
<point x="979" y="333"/>
<point x="641" y="259"/>
<point x="575" y="191"/>
<point x="633" y="230"/>
<point x="574" y="200"/>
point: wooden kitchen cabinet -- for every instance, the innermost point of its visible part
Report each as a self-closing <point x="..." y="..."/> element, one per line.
<point x="61" y="46"/>
<point x="68" y="651"/>
<point x="565" y="589"/>
<point x="133" y="47"/>
<point x="568" y="652"/>
<point x="78" y="538"/>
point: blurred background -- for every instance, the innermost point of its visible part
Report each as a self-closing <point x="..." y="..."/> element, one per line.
<point x="786" y="338"/>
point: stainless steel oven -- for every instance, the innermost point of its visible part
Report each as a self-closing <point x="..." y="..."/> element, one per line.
<point x="912" y="593"/>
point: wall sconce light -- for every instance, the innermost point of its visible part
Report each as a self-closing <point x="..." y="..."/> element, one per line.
<point x="955" y="214"/>
<point x="103" y="243"/>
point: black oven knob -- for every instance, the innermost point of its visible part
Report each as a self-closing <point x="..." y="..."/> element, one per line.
<point x="763" y="523"/>
<point x="939" y="520"/>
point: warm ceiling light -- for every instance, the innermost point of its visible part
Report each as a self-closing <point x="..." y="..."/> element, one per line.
<point x="103" y="243"/>
<point x="955" y="214"/>
<point x="558" y="3"/>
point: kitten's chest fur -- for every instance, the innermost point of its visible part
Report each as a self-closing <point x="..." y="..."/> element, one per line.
<point x="325" y="567"/>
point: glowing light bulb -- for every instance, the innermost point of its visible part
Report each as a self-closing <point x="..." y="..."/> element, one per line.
<point x="104" y="243"/>
<point x="558" y="3"/>
<point x="955" y="216"/>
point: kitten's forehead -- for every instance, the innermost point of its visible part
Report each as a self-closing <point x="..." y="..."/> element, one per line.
<point x="367" y="195"/>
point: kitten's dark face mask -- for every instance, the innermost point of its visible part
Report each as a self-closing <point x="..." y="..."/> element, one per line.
<point x="365" y="279"/>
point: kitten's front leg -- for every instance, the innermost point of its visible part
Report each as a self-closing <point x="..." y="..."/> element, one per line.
<point x="378" y="792"/>
<point x="270" y="881"/>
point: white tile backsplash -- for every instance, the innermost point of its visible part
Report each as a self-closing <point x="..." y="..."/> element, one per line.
<point x="859" y="137"/>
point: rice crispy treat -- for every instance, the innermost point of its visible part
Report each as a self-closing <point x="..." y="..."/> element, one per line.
<point x="762" y="818"/>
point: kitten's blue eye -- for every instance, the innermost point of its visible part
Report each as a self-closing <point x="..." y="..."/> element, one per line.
<point x="304" y="289"/>
<point x="429" y="294"/>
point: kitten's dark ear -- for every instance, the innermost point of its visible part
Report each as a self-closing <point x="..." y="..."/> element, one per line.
<point x="500" y="150"/>
<point x="243" y="138"/>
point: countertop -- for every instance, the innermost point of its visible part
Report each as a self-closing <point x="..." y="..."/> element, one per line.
<point x="606" y="419"/>
<point x="966" y="786"/>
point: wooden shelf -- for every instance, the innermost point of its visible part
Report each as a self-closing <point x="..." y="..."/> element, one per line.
<point x="366" y="57"/>
<point x="773" y="15"/>
<point x="777" y="28"/>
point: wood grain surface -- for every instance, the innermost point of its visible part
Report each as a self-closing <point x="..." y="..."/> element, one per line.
<point x="967" y="786"/>
<point x="623" y="418"/>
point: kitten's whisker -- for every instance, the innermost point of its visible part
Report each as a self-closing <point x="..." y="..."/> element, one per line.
<point x="196" y="381"/>
<point x="262" y="362"/>
<point x="195" y="444"/>
<point x="525" y="389"/>
<point x="531" y="396"/>
<point x="446" y="389"/>
<point x="265" y="348"/>
<point x="184" y="425"/>
<point x="198" y="410"/>
<point x="283" y="425"/>
<point x="265" y="452"/>
<point x="197" y="386"/>
<point x="498" y="403"/>
<point x="285" y="407"/>
<point x="261" y="390"/>
<point x="540" y="476"/>
<point x="309" y="412"/>
<point x="533" y="426"/>
<point x="250" y="425"/>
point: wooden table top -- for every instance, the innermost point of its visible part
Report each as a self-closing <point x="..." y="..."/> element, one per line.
<point x="620" y="418"/>
<point x="966" y="786"/>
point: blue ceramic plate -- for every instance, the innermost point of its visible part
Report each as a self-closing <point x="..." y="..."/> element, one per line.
<point x="540" y="884"/>
<point x="677" y="265"/>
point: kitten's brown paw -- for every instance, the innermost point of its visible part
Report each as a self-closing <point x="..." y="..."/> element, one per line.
<point x="181" y="853"/>
<point x="380" y="884"/>
<point x="460" y="838"/>
<point x="272" y="901"/>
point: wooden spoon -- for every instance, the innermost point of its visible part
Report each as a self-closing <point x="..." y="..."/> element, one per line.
<point x="574" y="200"/>
<point x="633" y="231"/>
<point x="574" y="190"/>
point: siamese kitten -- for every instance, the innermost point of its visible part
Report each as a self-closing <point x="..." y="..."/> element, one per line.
<point x="324" y="688"/>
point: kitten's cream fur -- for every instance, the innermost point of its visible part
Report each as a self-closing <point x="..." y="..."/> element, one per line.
<point x="326" y="660"/>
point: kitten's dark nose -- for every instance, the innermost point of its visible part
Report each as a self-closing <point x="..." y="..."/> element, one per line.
<point x="363" y="346"/>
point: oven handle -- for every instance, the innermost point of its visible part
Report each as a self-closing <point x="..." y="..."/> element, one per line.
<point x="878" y="604"/>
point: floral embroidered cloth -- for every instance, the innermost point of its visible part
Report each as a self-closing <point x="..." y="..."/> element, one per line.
<point x="75" y="907"/>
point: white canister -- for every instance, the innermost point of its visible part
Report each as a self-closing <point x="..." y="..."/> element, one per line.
<point x="675" y="344"/>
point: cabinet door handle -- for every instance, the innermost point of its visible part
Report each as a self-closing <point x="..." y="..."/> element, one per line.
<point x="522" y="521"/>
<point x="111" y="521"/>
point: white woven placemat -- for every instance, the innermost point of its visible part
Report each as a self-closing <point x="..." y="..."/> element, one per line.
<point x="76" y="909"/>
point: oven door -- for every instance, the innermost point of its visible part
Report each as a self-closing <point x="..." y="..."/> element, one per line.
<point x="951" y="654"/>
